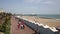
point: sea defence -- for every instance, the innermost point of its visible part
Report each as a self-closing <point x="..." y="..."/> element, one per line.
<point x="42" y="29"/>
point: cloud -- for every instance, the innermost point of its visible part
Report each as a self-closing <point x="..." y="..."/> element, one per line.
<point x="29" y="1"/>
<point x="53" y="2"/>
<point x="47" y="2"/>
<point x="32" y="1"/>
<point x="42" y="1"/>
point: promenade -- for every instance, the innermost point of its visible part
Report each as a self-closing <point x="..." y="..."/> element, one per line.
<point x="42" y="29"/>
<point x="14" y="29"/>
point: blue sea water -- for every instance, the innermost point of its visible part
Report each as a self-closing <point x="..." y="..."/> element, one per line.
<point x="49" y="16"/>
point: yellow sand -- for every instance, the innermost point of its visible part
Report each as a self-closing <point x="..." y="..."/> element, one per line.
<point x="45" y="21"/>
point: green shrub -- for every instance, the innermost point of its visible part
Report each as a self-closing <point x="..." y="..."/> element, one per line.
<point x="5" y="27"/>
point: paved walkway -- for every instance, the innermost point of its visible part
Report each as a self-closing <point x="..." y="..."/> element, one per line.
<point x="14" y="30"/>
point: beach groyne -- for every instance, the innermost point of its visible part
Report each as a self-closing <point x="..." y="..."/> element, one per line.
<point x="42" y="29"/>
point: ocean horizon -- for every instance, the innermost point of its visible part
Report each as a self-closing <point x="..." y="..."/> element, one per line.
<point x="41" y="16"/>
<point x="49" y="16"/>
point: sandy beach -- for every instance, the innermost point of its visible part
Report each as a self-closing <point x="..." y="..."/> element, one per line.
<point x="45" y="21"/>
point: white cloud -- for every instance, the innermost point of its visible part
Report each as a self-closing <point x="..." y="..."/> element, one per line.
<point x="32" y="1"/>
<point x="37" y="1"/>
<point x="29" y="1"/>
<point x="42" y="1"/>
<point x="53" y="2"/>
<point x="48" y="2"/>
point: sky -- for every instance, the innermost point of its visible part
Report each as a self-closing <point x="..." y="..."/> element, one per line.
<point x="31" y="6"/>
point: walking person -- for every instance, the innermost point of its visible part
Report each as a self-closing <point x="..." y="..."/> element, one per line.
<point x="22" y="25"/>
<point x="19" y="22"/>
<point x="19" y="25"/>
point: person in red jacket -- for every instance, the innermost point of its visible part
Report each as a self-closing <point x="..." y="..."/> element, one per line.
<point x="22" y="25"/>
<point x="19" y="25"/>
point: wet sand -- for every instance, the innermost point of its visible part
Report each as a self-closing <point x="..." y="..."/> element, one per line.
<point x="45" y="21"/>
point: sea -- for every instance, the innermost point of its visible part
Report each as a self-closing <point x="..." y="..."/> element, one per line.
<point x="44" y="16"/>
<point x="49" y="16"/>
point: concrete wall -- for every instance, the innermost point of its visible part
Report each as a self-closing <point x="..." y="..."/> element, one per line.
<point x="41" y="29"/>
